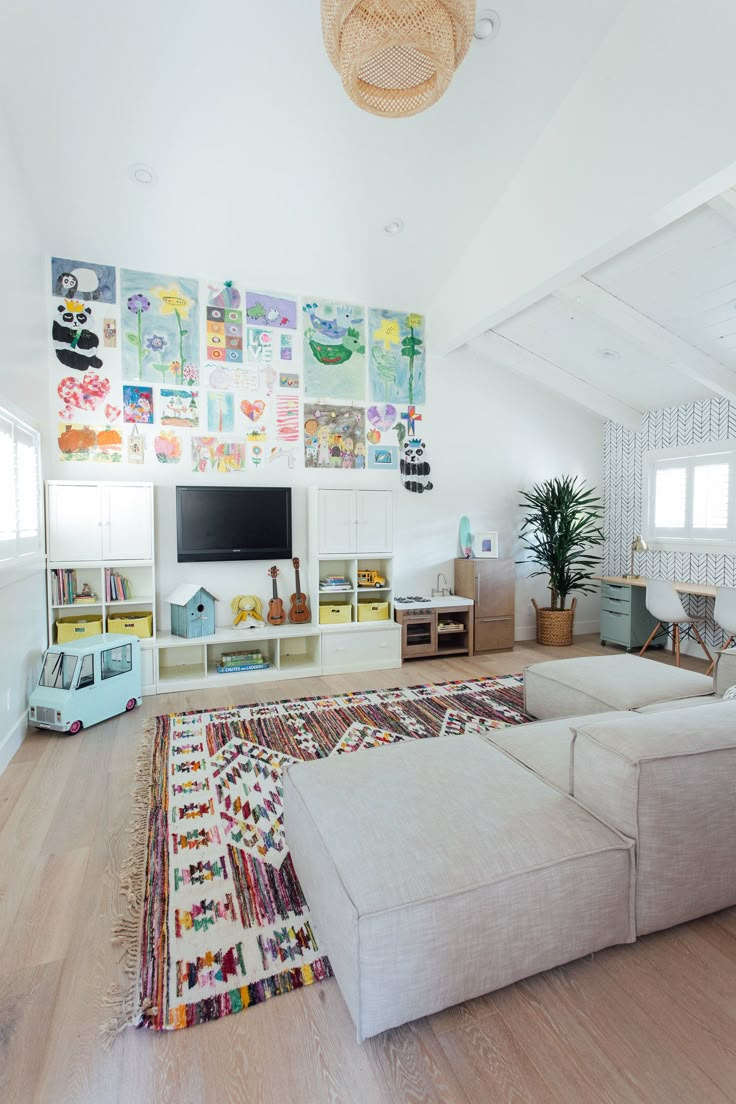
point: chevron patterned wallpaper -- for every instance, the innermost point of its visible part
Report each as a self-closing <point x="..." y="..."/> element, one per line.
<point x="623" y="450"/>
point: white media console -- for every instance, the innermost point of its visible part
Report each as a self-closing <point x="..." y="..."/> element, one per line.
<point x="93" y="525"/>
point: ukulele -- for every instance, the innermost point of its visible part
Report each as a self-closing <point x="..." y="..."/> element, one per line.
<point x="299" y="612"/>
<point x="275" y="614"/>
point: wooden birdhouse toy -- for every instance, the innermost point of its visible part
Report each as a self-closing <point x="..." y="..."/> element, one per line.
<point x="192" y="611"/>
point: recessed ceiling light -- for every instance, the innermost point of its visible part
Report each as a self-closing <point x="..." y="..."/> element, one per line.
<point x="142" y="174"/>
<point x="609" y="354"/>
<point x="487" y="25"/>
<point x="394" y="226"/>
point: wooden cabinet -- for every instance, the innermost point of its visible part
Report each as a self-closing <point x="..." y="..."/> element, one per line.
<point x="491" y="584"/>
<point x="354" y="522"/>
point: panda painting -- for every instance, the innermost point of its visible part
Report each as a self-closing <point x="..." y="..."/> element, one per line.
<point x="75" y="344"/>
<point x="414" y="468"/>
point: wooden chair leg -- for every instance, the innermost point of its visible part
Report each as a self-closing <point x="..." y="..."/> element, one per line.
<point x="676" y="643"/>
<point x="701" y="642"/>
<point x="654" y="632"/>
<point x="723" y="647"/>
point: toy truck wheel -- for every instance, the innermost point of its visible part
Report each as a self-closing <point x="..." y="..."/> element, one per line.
<point x="75" y="727"/>
<point x="130" y="705"/>
<point x="377" y="586"/>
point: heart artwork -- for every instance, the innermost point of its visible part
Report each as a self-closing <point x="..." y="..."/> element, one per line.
<point x="82" y="394"/>
<point x="253" y="410"/>
<point x="112" y="413"/>
<point x="382" y="417"/>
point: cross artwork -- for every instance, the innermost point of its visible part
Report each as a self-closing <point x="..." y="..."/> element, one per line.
<point x="411" y="417"/>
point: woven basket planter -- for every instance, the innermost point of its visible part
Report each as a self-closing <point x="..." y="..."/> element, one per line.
<point x="554" y="627"/>
<point x="397" y="57"/>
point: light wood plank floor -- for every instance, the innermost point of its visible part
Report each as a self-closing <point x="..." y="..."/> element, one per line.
<point x="651" y="1023"/>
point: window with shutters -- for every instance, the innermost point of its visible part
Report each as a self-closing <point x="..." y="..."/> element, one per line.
<point x="21" y="530"/>
<point x="691" y="495"/>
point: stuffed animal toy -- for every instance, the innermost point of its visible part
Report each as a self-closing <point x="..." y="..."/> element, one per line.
<point x="245" y="606"/>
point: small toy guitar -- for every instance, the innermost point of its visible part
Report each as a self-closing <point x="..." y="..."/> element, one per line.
<point x="299" y="612"/>
<point x="275" y="614"/>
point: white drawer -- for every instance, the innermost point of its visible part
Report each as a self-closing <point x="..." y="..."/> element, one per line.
<point x="361" y="650"/>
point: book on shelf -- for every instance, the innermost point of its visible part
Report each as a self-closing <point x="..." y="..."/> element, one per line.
<point x="64" y="586"/>
<point x="231" y="670"/>
<point x="117" y="587"/>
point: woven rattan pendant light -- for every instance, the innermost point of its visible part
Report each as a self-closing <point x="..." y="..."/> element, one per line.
<point x="397" y="57"/>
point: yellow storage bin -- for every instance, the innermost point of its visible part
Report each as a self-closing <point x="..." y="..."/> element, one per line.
<point x="74" y="628"/>
<point x="373" y="611"/>
<point x="338" y="614"/>
<point x="139" y="623"/>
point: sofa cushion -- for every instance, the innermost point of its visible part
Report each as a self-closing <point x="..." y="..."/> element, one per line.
<point x="596" y="684"/>
<point x="668" y="780"/>
<point x="437" y="870"/>
<point x="543" y="746"/>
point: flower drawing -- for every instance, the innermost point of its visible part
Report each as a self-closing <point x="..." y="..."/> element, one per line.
<point x="174" y="301"/>
<point x="388" y="332"/>
<point x="156" y="343"/>
<point x="190" y="373"/>
<point x="138" y="304"/>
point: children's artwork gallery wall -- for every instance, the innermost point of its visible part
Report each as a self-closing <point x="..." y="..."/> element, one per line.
<point x="215" y="378"/>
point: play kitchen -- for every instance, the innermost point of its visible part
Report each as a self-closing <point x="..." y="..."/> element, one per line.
<point x="435" y="626"/>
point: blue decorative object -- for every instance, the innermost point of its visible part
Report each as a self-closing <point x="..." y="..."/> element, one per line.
<point x="466" y="538"/>
<point x="192" y="611"/>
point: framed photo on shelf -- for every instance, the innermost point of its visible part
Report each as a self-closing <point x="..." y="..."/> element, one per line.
<point x="485" y="546"/>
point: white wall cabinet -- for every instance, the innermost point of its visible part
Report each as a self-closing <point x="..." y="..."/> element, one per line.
<point x="127" y="522"/>
<point x="74" y="522"/>
<point x="100" y="521"/>
<point x="353" y="522"/>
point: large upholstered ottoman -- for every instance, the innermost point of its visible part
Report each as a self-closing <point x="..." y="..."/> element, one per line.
<point x="596" y="684"/>
<point x="437" y="870"/>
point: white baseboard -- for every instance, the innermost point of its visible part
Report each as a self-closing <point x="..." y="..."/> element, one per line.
<point x="12" y="741"/>
<point x="528" y="631"/>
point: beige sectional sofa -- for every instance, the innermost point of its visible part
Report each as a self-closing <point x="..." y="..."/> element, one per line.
<point x="437" y="870"/>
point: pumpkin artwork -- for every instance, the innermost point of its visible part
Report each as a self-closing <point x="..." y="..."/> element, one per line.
<point x="77" y="439"/>
<point x="82" y="442"/>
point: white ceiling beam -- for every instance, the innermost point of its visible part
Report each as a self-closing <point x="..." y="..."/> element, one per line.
<point x="648" y="335"/>
<point x="593" y="183"/>
<point x="518" y="359"/>
<point x="725" y="205"/>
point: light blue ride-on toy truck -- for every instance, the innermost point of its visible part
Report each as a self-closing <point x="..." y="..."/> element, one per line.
<point x="87" y="681"/>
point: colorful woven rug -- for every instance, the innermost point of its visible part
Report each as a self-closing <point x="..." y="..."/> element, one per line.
<point x="218" y="921"/>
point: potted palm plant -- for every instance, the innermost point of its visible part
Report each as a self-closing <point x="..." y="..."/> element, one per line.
<point x="561" y="531"/>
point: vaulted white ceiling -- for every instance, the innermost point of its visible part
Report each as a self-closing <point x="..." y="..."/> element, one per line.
<point x="652" y="327"/>
<point x="264" y="166"/>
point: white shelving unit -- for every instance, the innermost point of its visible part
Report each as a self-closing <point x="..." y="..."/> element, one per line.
<point x="93" y="527"/>
<point x="352" y="531"/>
<point x="293" y="651"/>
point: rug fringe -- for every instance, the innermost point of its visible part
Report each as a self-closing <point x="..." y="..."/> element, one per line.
<point x="123" y="999"/>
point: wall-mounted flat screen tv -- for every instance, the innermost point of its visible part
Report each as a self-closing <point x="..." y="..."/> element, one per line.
<point x="233" y="523"/>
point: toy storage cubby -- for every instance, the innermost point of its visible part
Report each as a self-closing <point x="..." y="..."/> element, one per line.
<point x="292" y="651"/>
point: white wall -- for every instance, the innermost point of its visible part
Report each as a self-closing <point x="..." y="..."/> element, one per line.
<point x="24" y="388"/>
<point x="489" y="434"/>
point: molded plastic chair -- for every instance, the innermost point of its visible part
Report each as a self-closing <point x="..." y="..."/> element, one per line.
<point x="724" y="615"/>
<point x="663" y="602"/>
